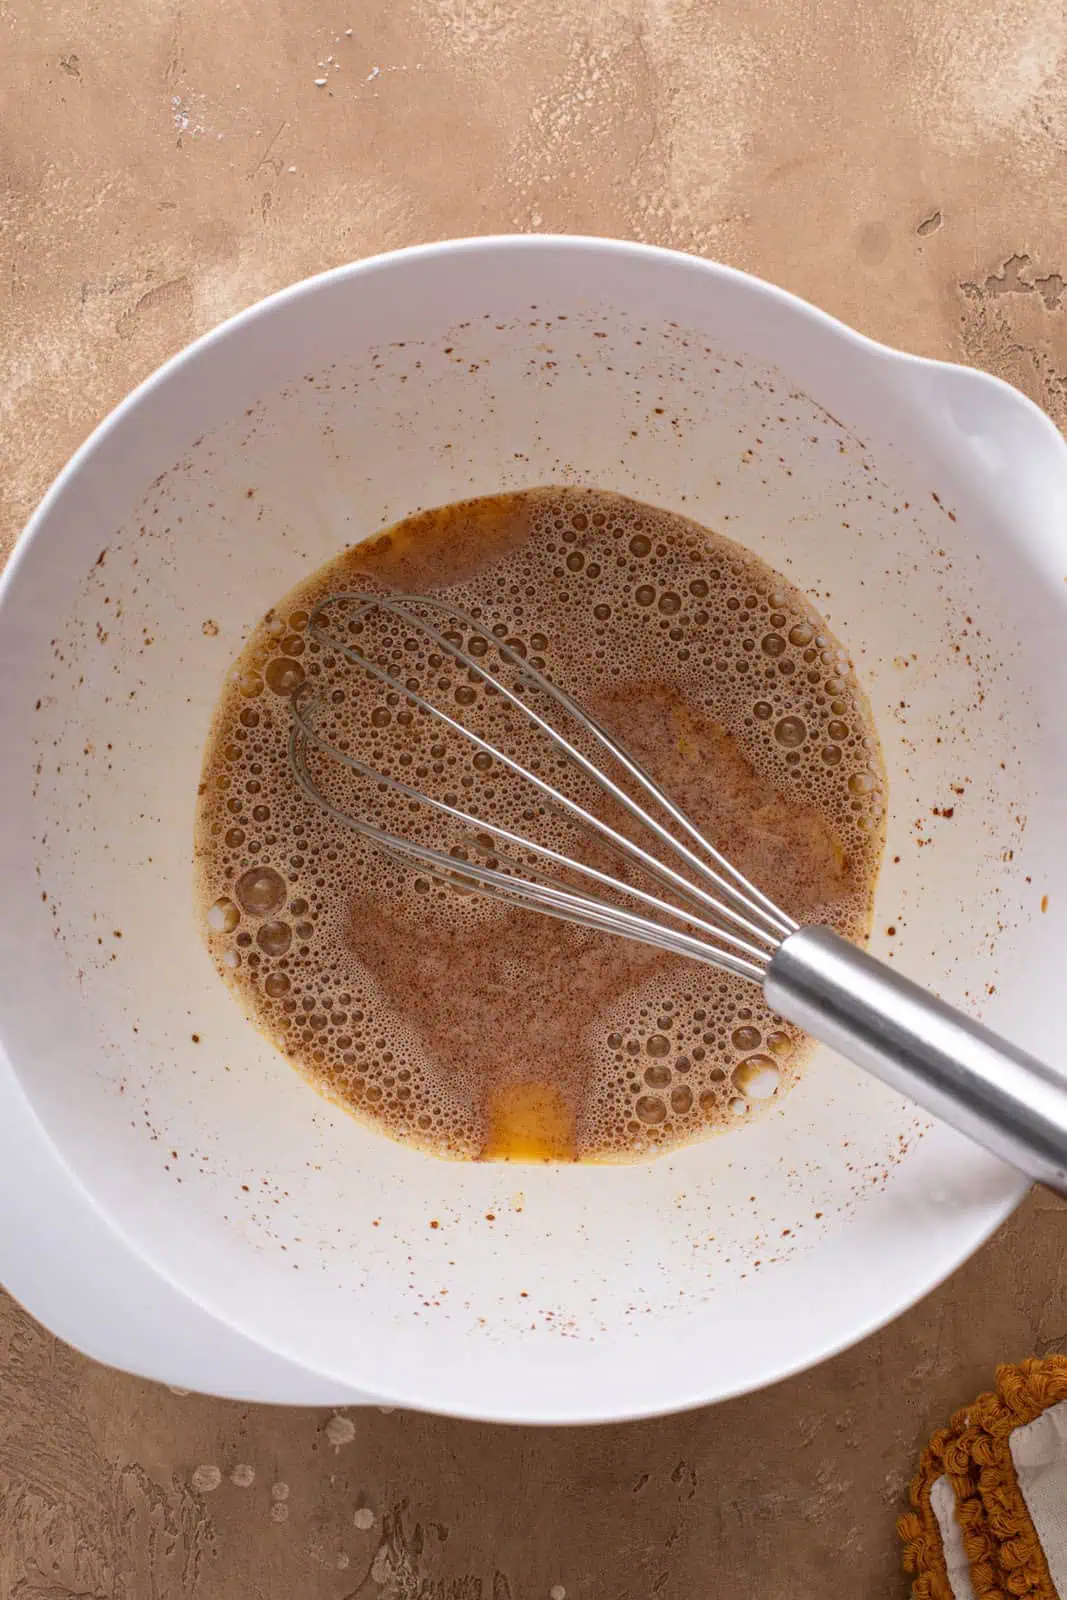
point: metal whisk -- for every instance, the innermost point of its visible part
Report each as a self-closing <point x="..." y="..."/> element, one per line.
<point x="668" y="887"/>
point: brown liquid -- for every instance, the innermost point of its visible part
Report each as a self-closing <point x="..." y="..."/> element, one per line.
<point x="473" y="1028"/>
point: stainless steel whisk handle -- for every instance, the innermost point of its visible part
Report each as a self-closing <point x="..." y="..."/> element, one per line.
<point x="996" y="1094"/>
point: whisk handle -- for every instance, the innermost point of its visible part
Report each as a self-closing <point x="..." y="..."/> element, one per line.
<point x="961" y="1072"/>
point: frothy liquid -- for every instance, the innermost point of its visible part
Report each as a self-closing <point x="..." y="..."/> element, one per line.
<point x="472" y="1028"/>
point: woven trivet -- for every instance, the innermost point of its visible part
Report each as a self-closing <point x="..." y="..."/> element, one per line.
<point x="990" y="1498"/>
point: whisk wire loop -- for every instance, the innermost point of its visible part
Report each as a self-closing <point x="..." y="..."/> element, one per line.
<point x="736" y="927"/>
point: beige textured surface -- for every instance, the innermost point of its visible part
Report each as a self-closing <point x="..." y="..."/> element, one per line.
<point x="163" y="164"/>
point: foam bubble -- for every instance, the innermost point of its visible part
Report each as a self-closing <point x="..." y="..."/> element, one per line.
<point x="222" y="916"/>
<point x="284" y="675"/>
<point x="260" y="890"/>
<point x="274" y="938"/>
<point x="757" y="1077"/>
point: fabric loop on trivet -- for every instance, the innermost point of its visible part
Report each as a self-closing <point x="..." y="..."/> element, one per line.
<point x="990" y="1498"/>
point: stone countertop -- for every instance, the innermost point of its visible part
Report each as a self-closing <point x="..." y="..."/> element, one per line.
<point x="164" y="163"/>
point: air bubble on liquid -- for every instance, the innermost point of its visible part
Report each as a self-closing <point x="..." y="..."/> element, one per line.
<point x="223" y="916"/>
<point x="757" y="1077"/>
<point x="274" y="938"/>
<point x="746" y="1038"/>
<point x="651" y="1109"/>
<point x="790" y="731"/>
<point x="260" y="890"/>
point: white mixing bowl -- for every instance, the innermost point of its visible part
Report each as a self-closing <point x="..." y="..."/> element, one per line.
<point x="178" y="1201"/>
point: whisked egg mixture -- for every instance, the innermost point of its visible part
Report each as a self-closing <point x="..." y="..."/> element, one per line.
<point x="478" y="1030"/>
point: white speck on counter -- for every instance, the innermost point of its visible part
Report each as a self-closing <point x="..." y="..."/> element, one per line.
<point x="188" y="113"/>
<point x="363" y="1519"/>
<point x="243" y="1475"/>
<point x="181" y="1393"/>
<point x="340" y="1430"/>
<point x="374" y="72"/>
<point x="206" y="1479"/>
<point x="320" y="83"/>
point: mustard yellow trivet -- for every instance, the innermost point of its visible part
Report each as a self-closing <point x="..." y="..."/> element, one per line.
<point x="990" y="1498"/>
